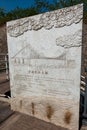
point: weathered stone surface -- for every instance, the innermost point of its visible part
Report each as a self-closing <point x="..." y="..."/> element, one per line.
<point x="45" y="64"/>
<point x="56" y="19"/>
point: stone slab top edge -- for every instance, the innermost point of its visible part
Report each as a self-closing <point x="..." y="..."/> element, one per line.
<point x="10" y="22"/>
<point x="53" y="19"/>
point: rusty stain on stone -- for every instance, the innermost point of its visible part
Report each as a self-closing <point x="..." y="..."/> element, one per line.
<point x="67" y="117"/>
<point x="33" y="108"/>
<point x="49" y="111"/>
<point x="20" y="104"/>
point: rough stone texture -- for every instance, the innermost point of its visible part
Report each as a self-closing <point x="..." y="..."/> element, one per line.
<point x="68" y="41"/>
<point x="45" y="71"/>
<point x="56" y="19"/>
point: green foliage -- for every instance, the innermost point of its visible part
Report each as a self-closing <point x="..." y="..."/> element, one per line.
<point x="20" y="13"/>
<point x="16" y="14"/>
<point x="66" y="3"/>
<point x="41" y="5"/>
<point x="2" y="13"/>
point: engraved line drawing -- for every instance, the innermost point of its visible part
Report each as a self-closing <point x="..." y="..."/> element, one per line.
<point x="67" y="41"/>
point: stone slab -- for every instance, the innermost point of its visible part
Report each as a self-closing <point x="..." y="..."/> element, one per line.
<point x="45" y="64"/>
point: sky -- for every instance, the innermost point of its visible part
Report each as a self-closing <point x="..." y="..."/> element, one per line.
<point x="11" y="4"/>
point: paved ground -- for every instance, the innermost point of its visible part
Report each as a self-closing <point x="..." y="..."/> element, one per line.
<point x="10" y="120"/>
<point x="4" y="84"/>
<point x="23" y="122"/>
<point x="5" y="111"/>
